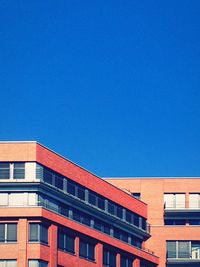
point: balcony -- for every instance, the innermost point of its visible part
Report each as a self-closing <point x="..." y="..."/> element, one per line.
<point x="182" y="210"/>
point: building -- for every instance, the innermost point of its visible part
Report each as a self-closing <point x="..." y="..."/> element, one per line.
<point x="55" y="213"/>
<point x="174" y="215"/>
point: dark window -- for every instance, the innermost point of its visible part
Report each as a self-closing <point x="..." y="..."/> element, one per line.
<point x="92" y="198"/>
<point x="109" y="258"/>
<point x="126" y="262"/>
<point x="2" y="232"/>
<point x="64" y="210"/>
<point x="71" y="188"/>
<point x="87" y="250"/>
<point x="136" y="242"/>
<point x="98" y="225"/>
<point x="111" y="208"/>
<point x="8" y="232"/>
<point x="129" y="216"/>
<point x="119" y="212"/>
<point x="38" y="233"/>
<point x="194" y="222"/>
<point x="101" y="203"/>
<point x="76" y="215"/>
<point x="19" y="170"/>
<point x="47" y="176"/>
<point x="59" y="182"/>
<point x="4" y="170"/>
<point x="121" y="235"/>
<point x="144" y="224"/>
<point x="136" y="220"/>
<point x="66" y="241"/>
<point x="175" y="222"/>
<point x="81" y="192"/>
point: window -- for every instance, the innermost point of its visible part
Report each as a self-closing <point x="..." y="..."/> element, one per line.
<point x="8" y="263"/>
<point x="81" y="192"/>
<point x="109" y="258"/>
<point x="195" y="247"/>
<point x="175" y="222"/>
<point x="194" y="222"/>
<point x="183" y="249"/>
<point x="47" y="176"/>
<point x="38" y="233"/>
<point x="126" y="262"/>
<point x="174" y="201"/>
<point x="8" y="232"/>
<point x="81" y="217"/>
<point x="136" y="242"/>
<point x="59" y="181"/>
<point x="71" y="188"/>
<point x="37" y="263"/>
<point x="4" y="170"/>
<point x="194" y="201"/>
<point x="39" y="171"/>
<point x="66" y="241"/>
<point x="19" y="170"/>
<point x="121" y="235"/>
<point x="86" y="250"/>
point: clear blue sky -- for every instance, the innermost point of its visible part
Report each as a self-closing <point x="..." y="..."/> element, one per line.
<point x="112" y="85"/>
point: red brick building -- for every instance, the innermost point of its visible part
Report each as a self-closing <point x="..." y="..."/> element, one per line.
<point x="174" y="215"/>
<point x="55" y="213"/>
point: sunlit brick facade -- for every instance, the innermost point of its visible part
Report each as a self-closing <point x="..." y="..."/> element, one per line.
<point x="174" y="215"/>
<point x="54" y="213"/>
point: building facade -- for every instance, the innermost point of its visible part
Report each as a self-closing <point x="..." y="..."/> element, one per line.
<point x="55" y="213"/>
<point x="174" y="215"/>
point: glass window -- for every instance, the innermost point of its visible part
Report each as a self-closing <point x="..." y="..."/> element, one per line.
<point x="59" y="182"/>
<point x="119" y="212"/>
<point x="19" y="170"/>
<point x="11" y="232"/>
<point x="194" y="201"/>
<point x="171" y="249"/>
<point x="136" y="219"/>
<point x="8" y="232"/>
<point x="66" y="241"/>
<point x="3" y="199"/>
<point x="39" y="171"/>
<point x="126" y="262"/>
<point x="87" y="250"/>
<point x="92" y="198"/>
<point x="38" y="233"/>
<point x="101" y="203"/>
<point x="194" y="221"/>
<point x="183" y="249"/>
<point x="37" y="263"/>
<point x="174" y="201"/>
<point x="8" y="263"/>
<point x="47" y="176"/>
<point x="4" y="170"/>
<point x="195" y="247"/>
<point x="109" y="258"/>
<point x="111" y="208"/>
<point x="81" y="192"/>
<point x="71" y="187"/>
<point x="129" y="217"/>
<point x="64" y="210"/>
<point x="16" y="199"/>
